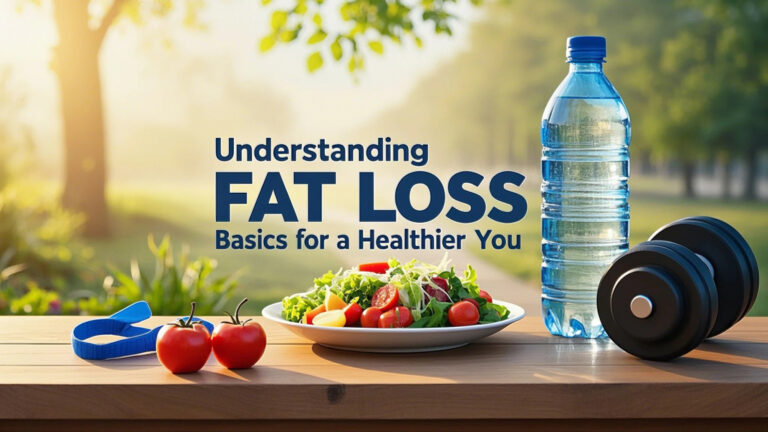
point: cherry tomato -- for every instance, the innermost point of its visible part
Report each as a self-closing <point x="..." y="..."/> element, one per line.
<point x="463" y="313"/>
<point x="238" y="345"/>
<point x="376" y="267"/>
<point x="484" y="294"/>
<point x="396" y="318"/>
<point x="370" y="317"/>
<point x="308" y="316"/>
<point x="385" y="298"/>
<point x="473" y="301"/>
<point x="185" y="346"/>
<point x="352" y="313"/>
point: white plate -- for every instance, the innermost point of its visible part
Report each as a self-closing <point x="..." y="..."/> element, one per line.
<point x="394" y="340"/>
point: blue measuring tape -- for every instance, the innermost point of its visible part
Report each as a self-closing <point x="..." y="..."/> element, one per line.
<point x="136" y="340"/>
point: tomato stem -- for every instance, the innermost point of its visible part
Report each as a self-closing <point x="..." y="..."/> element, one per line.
<point x="235" y="320"/>
<point x="231" y="318"/>
<point x="237" y="310"/>
<point x="191" y="314"/>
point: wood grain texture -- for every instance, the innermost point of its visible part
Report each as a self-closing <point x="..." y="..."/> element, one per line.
<point x="493" y="425"/>
<point x="519" y="375"/>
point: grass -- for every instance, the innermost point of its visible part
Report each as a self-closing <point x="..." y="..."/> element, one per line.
<point x="651" y="207"/>
<point x="266" y="276"/>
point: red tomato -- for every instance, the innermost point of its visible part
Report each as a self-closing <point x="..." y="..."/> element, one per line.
<point x="185" y="346"/>
<point x="473" y="301"/>
<point x="376" y="267"/>
<point x="385" y="298"/>
<point x="439" y="295"/>
<point x="352" y="313"/>
<point x="396" y="318"/>
<point x="370" y="317"/>
<point x="484" y="294"/>
<point x="463" y="313"/>
<point x="238" y="345"/>
<point x="313" y="313"/>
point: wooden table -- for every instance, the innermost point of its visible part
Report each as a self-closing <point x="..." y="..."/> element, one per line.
<point x="521" y="377"/>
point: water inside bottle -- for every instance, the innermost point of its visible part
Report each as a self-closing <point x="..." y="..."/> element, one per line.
<point x="585" y="214"/>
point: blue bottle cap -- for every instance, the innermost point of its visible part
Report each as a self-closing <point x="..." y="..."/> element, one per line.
<point x="585" y="49"/>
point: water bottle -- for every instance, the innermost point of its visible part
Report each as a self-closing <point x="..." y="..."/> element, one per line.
<point x="585" y="134"/>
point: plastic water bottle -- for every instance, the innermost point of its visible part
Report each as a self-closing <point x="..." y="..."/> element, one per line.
<point x="585" y="134"/>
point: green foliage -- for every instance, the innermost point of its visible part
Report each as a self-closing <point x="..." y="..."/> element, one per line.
<point x="367" y="25"/>
<point x="38" y="238"/>
<point x="174" y="285"/>
<point x="692" y="74"/>
<point x="711" y="89"/>
<point x="139" y="11"/>
<point x="36" y="301"/>
<point x="315" y="61"/>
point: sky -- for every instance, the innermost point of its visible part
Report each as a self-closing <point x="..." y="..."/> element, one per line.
<point x="167" y="88"/>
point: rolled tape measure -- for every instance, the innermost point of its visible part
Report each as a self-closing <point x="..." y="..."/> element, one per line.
<point x="135" y="340"/>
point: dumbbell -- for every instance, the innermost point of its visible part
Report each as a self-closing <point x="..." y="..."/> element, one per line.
<point x="693" y="279"/>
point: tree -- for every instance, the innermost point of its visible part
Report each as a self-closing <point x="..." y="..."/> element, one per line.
<point x="740" y="101"/>
<point x="367" y="25"/>
<point x="516" y="61"/>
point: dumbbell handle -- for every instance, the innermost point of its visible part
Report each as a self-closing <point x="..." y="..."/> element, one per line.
<point x="641" y="306"/>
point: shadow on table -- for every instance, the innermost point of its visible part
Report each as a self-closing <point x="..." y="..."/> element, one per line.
<point x="732" y="360"/>
<point x="137" y="361"/>
<point x="213" y="373"/>
<point x="707" y="370"/>
<point x="256" y="374"/>
<point x="735" y="361"/>
<point x="753" y="350"/>
<point x="521" y="349"/>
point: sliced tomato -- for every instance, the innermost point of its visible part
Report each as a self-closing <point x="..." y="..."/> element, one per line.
<point x="353" y="312"/>
<point x="398" y="317"/>
<point x="484" y="294"/>
<point x="375" y="267"/>
<point x="309" y="316"/>
<point x="385" y="298"/>
<point x="463" y="313"/>
<point x="370" y="317"/>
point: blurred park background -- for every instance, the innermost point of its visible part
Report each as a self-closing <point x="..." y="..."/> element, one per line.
<point x="109" y="110"/>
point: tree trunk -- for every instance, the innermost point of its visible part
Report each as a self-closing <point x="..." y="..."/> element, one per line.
<point x="750" y="189"/>
<point x="76" y="61"/>
<point x="688" y="170"/>
<point x="727" y="174"/>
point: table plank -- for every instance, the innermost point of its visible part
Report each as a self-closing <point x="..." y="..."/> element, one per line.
<point x="290" y="396"/>
<point x="520" y="373"/>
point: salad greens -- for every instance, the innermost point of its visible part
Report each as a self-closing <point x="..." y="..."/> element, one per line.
<point x="417" y="289"/>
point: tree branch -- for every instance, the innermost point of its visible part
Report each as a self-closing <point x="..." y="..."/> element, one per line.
<point x="109" y="17"/>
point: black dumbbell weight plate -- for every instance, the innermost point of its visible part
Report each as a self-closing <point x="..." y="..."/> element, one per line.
<point x="731" y="268"/>
<point x="754" y="277"/>
<point x="680" y="320"/>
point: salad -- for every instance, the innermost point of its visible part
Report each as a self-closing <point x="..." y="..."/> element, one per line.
<point x="394" y="295"/>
